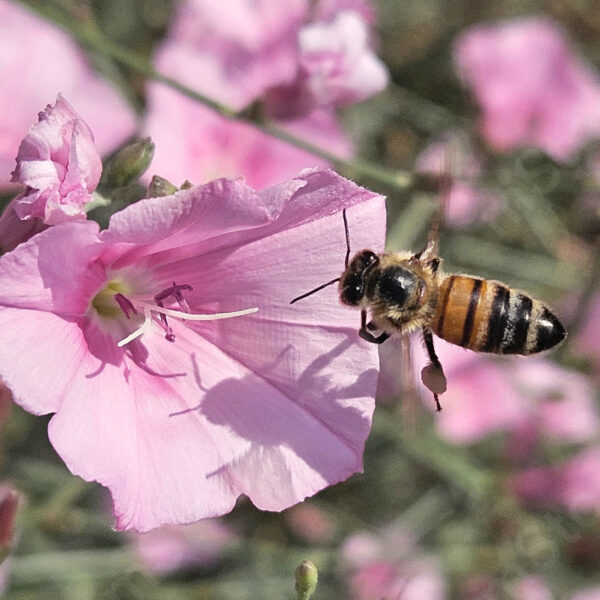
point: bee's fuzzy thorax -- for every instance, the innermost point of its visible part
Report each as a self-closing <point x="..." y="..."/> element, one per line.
<point x="415" y="314"/>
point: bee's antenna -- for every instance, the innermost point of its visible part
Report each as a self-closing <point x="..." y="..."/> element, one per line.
<point x="347" y="238"/>
<point x="324" y="285"/>
<point x="317" y="289"/>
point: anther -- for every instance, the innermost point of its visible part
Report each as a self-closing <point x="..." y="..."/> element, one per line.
<point x="125" y="304"/>
<point x="175" y="291"/>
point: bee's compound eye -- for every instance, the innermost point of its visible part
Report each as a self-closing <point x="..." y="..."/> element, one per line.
<point x="352" y="292"/>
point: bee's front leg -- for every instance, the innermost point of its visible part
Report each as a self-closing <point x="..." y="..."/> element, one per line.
<point x="364" y="332"/>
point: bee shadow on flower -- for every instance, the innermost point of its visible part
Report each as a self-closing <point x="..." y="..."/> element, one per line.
<point x="270" y="408"/>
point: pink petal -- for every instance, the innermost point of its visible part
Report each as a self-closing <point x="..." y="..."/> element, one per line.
<point x="245" y="437"/>
<point x="58" y="344"/>
<point x="44" y="272"/>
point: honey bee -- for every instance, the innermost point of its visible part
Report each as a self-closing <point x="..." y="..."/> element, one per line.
<point x="405" y="292"/>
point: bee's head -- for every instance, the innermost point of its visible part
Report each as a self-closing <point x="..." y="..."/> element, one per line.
<point x="352" y="283"/>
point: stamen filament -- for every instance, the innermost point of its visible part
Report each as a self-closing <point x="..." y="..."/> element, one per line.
<point x="149" y="308"/>
<point x="145" y="326"/>
<point x="195" y="317"/>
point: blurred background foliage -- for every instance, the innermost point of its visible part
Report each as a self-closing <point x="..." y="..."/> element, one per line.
<point x="441" y="514"/>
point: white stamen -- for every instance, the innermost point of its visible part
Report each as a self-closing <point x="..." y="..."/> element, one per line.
<point x="149" y="308"/>
<point x="194" y="317"/>
<point x="140" y="330"/>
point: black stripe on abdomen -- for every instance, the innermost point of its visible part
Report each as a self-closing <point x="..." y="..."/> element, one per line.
<point x="470" y="317"/>
<point x="497" y="319"/>
<point x="517" y="325"/>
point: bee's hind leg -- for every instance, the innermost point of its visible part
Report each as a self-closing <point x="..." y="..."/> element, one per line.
<point x="432" y="375"/>
<point x="364" y="332"/>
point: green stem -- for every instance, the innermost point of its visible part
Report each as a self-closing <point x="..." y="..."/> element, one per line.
<point x="586" y="297"/>
<point x="43" y="568"/>
<point x="92" y="38"/>
<point x="450" y="463"/>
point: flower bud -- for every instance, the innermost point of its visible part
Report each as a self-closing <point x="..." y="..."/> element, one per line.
<point x="129" y="163"/>
<point x="159" y="186"/>
<point x="306" y="579"/>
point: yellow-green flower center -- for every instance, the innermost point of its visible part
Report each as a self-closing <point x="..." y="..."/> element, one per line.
<point x="104" y="302"/>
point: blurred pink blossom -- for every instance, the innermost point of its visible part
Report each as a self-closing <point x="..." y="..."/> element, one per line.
<point x="253" y="43"/>
<point x="531" y="397"/>
<point x="326" y="10"/>
<point x="9" y="500"/>
<point x="246" y="52"/>
<point x="479" y="586"/>
<point x="360" y="549"/>
<point x="587" y="594"/>
<point x="336" y="67"/>
<point x="532" y="587"/>
<point x="194" y="142"/>
<point x="588" y="338"/>
<point x="311" y="523"/>
<point x="574" y="483"/>
<point x="320" y="50"/>
<point x="38" y="61"/>
<point x="173" y="548"/>
<point x="563" y="403"/>
<point x="275" y="405"/>
<point x="452" y="157"/>
<point x="412" y="579"/>
<point x="388" y="564"/>
<point x="532" y="89"/>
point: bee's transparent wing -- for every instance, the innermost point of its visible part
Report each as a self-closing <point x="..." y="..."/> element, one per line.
<point x="398" y="383"/>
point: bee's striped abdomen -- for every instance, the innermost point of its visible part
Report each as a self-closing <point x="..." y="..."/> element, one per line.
<point x="487" y="316"/>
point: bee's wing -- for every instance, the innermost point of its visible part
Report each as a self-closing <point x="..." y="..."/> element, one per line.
<point x="445" y="182"/>
<point x="411" y="391"/>
<point x="398" y="383"/>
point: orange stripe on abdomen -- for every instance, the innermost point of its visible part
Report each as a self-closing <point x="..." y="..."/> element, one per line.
<point x="463" y="310"/>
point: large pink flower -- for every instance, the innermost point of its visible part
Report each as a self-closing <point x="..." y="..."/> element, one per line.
<point x="38" y="61"/>
<point x="531" y="88"/>
<point x="59" y="166"/>
<point x="275" y="405"/>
